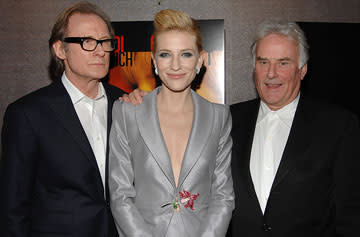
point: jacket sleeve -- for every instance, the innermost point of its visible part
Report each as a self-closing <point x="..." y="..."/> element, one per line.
<point x="222" y="193"/>
<point x="19" y="157"/>
<point x="121" y="178"/>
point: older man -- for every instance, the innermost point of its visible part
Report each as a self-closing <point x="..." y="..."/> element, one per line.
<point x="55" y="139"/>
<point x="295" y="160"/>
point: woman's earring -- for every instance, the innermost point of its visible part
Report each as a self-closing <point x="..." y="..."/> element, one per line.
<point x="156" y="72"/>
<point x="197" y="70"/>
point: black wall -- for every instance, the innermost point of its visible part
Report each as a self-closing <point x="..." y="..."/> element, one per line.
<point x="334" y="65"/>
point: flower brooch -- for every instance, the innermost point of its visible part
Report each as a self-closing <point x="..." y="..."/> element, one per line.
<point x="187" y="199"/>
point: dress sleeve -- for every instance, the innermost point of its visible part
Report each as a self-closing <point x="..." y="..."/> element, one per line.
<point x="121" y="176"/>
<point x="222" y="194"/>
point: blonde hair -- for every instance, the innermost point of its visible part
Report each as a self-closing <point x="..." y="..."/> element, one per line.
<point x="168" y="20"/>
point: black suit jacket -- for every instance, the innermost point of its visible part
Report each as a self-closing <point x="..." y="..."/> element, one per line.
<point x="51" y="184"/>
<point x="316" y="188"/>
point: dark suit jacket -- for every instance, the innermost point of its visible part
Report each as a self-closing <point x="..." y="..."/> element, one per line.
<point x="50" y="184"/>
<point x="316" y="188"/>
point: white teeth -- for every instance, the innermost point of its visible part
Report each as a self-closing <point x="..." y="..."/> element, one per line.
<point x="272" y="85"/>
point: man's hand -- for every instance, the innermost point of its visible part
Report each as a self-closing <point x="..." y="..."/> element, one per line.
<point x="135" y="97"/>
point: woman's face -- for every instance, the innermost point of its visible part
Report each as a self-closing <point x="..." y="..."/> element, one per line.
<point x="176" y="59"/>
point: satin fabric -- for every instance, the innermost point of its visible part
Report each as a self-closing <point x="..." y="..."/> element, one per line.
<point x="141" y="179"/>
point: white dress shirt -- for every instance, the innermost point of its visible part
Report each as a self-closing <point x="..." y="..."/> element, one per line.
<point x="271" y="134"/>
<point x="93" y="117"/>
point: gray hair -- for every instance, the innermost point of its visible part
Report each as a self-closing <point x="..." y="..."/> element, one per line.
<point x="289" y="29"/>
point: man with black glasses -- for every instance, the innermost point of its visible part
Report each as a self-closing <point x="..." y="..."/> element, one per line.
<point x="55" y="139"/>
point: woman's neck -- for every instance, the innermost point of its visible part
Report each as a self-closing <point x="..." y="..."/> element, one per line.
<point x="170" y="101"/>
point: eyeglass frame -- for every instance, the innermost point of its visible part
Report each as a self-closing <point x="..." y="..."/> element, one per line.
<point x="80" y="40"/>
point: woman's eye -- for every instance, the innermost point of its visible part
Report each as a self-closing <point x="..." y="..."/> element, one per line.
<point x="163" y="55"/>
<point x="187" y="54"/>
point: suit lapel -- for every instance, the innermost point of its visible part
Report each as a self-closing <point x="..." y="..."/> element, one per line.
<point x="248" y="124"/>
<point x="149" y="127"/>
<point x="201" y="129"/>
<point x="60" y="102"/>
<point x="296" y="144"/>
<point x="148" y="123"/>
<point x="294" y="149"/>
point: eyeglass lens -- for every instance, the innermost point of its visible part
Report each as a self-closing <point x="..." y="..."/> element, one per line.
<point x="91" y="44"/>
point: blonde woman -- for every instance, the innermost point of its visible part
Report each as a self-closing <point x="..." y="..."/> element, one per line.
<point x="170" y="156"/>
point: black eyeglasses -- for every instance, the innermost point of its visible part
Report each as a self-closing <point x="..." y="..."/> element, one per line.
<point x="90" y="44"/>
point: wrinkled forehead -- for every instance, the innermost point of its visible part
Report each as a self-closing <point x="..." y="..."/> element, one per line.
<point x="87" y="24"/>
<point x="277" y="46"/>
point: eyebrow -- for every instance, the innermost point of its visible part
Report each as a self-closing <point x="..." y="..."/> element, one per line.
<point x="260" y="58"/>
<point x="285" y="59"/>
<point x="280" y="59"/>
<point x="188" y="49"/>
<point x="181" y="50"/>
<point x="101" y="38"/>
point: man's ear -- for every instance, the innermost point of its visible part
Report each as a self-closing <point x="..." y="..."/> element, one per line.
<point x="303" y="71"/>
<point x="59" y="49"/>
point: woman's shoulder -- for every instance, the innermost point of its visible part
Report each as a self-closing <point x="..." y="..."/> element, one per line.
<point x="123" y="111"/>
<point x="122" y="106"/>
<point x="216" y="106"/>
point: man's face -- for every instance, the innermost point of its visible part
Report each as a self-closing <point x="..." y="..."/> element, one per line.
<point x="81" y="65"/>
<point x="277" y="76"/>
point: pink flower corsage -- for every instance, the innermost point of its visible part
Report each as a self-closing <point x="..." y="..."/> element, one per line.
<point x="188" y="198"/>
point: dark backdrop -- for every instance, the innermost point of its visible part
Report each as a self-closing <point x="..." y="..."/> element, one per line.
<point x="333" y="68"/>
